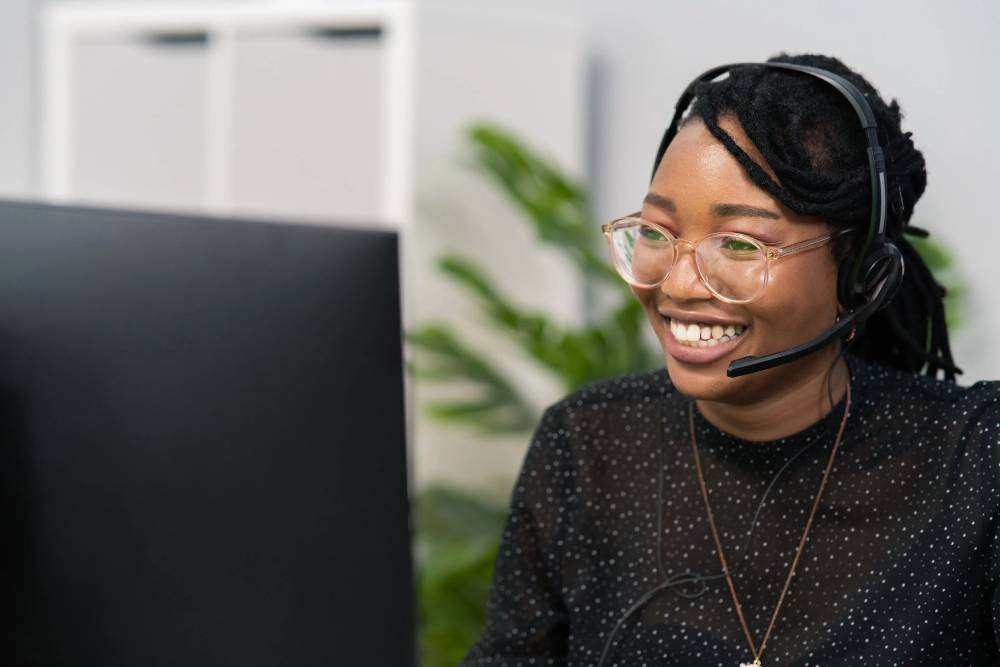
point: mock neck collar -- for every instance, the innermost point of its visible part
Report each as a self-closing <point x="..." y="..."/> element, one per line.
<point x="727" y="446"/>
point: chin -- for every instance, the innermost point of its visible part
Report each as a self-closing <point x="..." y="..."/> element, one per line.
<point x="704" y="382"/>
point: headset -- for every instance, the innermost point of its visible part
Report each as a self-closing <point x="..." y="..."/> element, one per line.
<point x="865" y="284"/>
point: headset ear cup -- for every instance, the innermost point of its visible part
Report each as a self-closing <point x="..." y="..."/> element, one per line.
<point x="883" y="262"/>
<point x="886" y="263"/>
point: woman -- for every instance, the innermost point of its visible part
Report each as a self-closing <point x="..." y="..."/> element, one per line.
<point x="838" y="509"/>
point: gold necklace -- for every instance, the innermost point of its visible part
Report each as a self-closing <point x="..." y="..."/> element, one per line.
<point x="798" y="552"/>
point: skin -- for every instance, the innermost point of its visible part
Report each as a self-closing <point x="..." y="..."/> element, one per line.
<point x="798" y="303"/>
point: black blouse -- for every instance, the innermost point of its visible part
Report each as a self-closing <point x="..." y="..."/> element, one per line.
<point x="900" y="566"/>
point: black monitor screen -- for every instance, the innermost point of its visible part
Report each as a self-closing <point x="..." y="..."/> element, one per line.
<point x="203" y="441"/>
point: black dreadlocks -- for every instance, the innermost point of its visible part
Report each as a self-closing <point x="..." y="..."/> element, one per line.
<point x="810" y="136"/>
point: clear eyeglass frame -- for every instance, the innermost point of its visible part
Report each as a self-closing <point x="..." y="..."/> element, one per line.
<point x="770" y="252"/>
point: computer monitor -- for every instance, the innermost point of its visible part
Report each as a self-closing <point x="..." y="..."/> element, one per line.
<point x="203" y="438"/>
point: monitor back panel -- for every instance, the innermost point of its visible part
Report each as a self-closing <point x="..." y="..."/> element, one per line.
<point x="203" y="446"/>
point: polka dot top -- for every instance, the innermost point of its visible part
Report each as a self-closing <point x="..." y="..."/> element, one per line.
<point x="900" y="566"/>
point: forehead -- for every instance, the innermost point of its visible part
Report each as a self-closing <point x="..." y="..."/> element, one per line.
<point x="694" y="154"/>
<point x="699" y="175"/>
<point x="702" y="178"/>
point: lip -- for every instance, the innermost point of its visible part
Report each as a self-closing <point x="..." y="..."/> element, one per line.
<point x="700" y="355"/>
<point x="701" y="318"/>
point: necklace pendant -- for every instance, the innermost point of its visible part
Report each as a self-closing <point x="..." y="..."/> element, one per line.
<point x="755" y="663"/>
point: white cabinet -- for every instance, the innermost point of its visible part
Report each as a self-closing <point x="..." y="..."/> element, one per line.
<point x="297" y="111"/>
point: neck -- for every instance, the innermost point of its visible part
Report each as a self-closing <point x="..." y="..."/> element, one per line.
<point x="802" y="402"/>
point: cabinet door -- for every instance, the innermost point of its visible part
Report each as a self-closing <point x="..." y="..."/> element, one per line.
<point x="307" y="123"/>
<point x="138" y="120"/>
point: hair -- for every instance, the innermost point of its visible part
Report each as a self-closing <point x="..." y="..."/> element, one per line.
<point x="810" y="135"/>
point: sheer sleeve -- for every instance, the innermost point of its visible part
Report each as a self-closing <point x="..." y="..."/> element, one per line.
<point x="990" y="432"/>
<point x="526" y="619"/>
<point x="994" y="567"/>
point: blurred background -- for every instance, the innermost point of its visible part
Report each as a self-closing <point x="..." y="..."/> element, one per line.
<point x="496" y="138"/>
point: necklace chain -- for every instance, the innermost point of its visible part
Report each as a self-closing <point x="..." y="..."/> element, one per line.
<point x="798" y="552"/>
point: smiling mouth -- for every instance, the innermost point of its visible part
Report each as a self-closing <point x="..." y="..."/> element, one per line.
<point x="698" y="334"/>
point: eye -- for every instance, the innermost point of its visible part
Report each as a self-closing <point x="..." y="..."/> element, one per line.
<point x="651" y="233"/>
<point x="737" y="244"/>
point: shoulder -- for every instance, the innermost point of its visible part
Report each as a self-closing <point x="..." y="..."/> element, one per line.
<point x="894" y="386"/>
<point x="961" y="418"/>
<point x="964" y="405"/>
<point x="618" y="392"/>
<point x="590" y="421"/>
<point x="605" y="414"/>
<point x="979" y="411"/>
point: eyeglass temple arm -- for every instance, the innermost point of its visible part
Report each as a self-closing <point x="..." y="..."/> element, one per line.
<point x="805" y="245"/>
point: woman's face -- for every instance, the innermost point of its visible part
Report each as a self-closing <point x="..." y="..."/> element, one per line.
<point x="696" y="175"/>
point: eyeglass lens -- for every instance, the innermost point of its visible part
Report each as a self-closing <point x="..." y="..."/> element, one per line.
<point x="732" y="266"/>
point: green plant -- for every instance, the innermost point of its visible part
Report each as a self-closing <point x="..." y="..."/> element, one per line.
<point x="940" y="263"/>
<point x="457" y="538"/>
<point x="458" y="534"/>
<point x="557" y="207"/>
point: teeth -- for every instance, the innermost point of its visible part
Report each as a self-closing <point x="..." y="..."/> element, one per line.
<point x="704" y="335"/>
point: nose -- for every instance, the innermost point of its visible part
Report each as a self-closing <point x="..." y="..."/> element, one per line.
<point x="684" y="281"/>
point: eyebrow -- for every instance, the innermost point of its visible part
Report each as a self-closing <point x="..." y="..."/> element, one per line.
<point x="718" y="210"/>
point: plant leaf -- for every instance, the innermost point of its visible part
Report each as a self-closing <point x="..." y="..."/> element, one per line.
<point x="554" y="202"/>
<point x="497" y="406"/>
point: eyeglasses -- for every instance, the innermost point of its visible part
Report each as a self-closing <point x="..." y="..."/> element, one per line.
<point x="734" y="266"/>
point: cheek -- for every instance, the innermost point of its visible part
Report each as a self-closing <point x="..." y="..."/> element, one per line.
<point x="647" y="297"/>
<point x="798" y="294"/>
